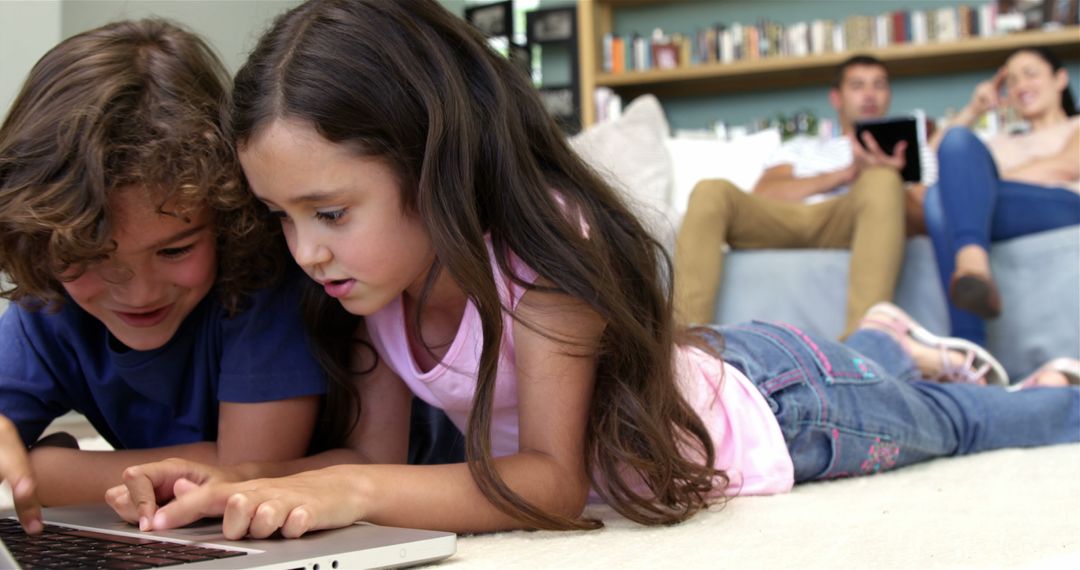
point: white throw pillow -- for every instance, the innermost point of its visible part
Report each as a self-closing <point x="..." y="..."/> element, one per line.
<point x="629" y="152"/>
<point x="740" y="161"/>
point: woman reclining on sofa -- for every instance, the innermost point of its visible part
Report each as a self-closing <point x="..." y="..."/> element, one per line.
<point x="1015" y="185"/>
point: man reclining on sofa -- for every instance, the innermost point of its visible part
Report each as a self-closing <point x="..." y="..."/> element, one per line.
<point x="814" y="193"/>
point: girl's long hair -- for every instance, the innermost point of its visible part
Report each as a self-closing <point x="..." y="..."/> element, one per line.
<point x="478" y="155"/>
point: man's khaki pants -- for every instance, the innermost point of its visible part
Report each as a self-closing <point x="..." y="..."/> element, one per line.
<point x="869" y="220"/>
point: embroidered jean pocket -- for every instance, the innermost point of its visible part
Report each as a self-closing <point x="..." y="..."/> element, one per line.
<point x="853" y="368"/>
<point x="836" y="363"/>
<point x="829" y="452"/>
<point x="841" y="364"/>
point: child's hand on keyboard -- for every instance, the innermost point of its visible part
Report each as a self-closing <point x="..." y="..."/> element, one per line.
<point x="148" y="486"/>
<point x="15" y="469"/>
<point x="293" y="505"/>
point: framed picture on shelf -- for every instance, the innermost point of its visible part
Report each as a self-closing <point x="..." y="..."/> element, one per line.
<point x="521" y="57"/>
<point x="493" y="20"/>
<point x="562" y="104"/>
<point x="554" y="25"/>
<point x="551" y="35"/>
<point x="665" y="55"/>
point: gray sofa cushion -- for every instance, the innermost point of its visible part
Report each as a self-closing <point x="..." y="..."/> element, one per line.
<point x="1038" y="275"/>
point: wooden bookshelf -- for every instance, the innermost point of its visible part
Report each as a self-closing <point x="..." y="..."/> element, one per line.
<point x="595" y="19"/>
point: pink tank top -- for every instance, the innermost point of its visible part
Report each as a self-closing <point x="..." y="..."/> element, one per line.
<point x="748" y="441"/>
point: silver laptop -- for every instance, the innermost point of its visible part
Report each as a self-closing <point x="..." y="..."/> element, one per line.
<point x="94" y="537"/>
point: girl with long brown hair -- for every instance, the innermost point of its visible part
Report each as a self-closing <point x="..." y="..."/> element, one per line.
<point x="420" y="182"/>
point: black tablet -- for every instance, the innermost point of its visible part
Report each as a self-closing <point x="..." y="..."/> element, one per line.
<point x="891" y="130"/>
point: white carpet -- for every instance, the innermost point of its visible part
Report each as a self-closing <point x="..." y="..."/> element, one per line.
<point x="1006" y="509"/>
<point x="1015" y="508"/>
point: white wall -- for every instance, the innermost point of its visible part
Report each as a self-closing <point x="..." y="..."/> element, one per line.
<point x="230" y="26"/>
<point x="28" y="30"/>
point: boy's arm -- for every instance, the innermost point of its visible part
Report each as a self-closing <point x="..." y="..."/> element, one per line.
<point x="380" y="436"/>
<point x="266" y="431"/>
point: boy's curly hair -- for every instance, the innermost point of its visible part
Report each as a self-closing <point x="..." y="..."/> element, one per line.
<point x="132" y="103"/>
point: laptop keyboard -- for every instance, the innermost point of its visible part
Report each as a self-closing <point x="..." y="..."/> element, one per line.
<point x="67" y="547"/>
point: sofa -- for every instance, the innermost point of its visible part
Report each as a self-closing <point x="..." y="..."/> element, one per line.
<point x="1038" y="275"/>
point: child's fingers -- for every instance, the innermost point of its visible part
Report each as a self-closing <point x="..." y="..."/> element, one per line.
<point x="239" y="512"/>
<point x="204" y="501"/>
<point x="257" y="515"/>
<point x="268" y="518"/>
<point x="27" y="505"/>
<point x="15" y="469"/>
<point x="141" y="494"/>
<point x="184" y="486"/>
<point x="254" y="515"/>
<point x="119" y="499"/>
<point x="300" y="521"/>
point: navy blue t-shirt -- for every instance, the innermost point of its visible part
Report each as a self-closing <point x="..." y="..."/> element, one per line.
<point x="51" y="363"/>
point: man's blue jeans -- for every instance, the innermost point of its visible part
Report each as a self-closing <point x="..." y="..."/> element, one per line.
<point x="971" y="204"/>
<point x="858" y="408"/>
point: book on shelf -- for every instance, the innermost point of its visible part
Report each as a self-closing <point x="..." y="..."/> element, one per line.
<point x="945" y="25"/>
<point x="608" y="104"/>
<point x="728" y="42"/>
<point x="899" y="19"/>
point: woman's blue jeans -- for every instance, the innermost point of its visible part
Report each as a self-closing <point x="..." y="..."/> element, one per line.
<point x="971" y="204"/>
<point x="858" y="408"/>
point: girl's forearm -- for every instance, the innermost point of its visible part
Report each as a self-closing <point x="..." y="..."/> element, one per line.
<point x="445" y="497"/>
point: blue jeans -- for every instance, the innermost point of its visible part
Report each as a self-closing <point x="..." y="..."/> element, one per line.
<point x="858" y="408"/>
<point x="971" y="204"/>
